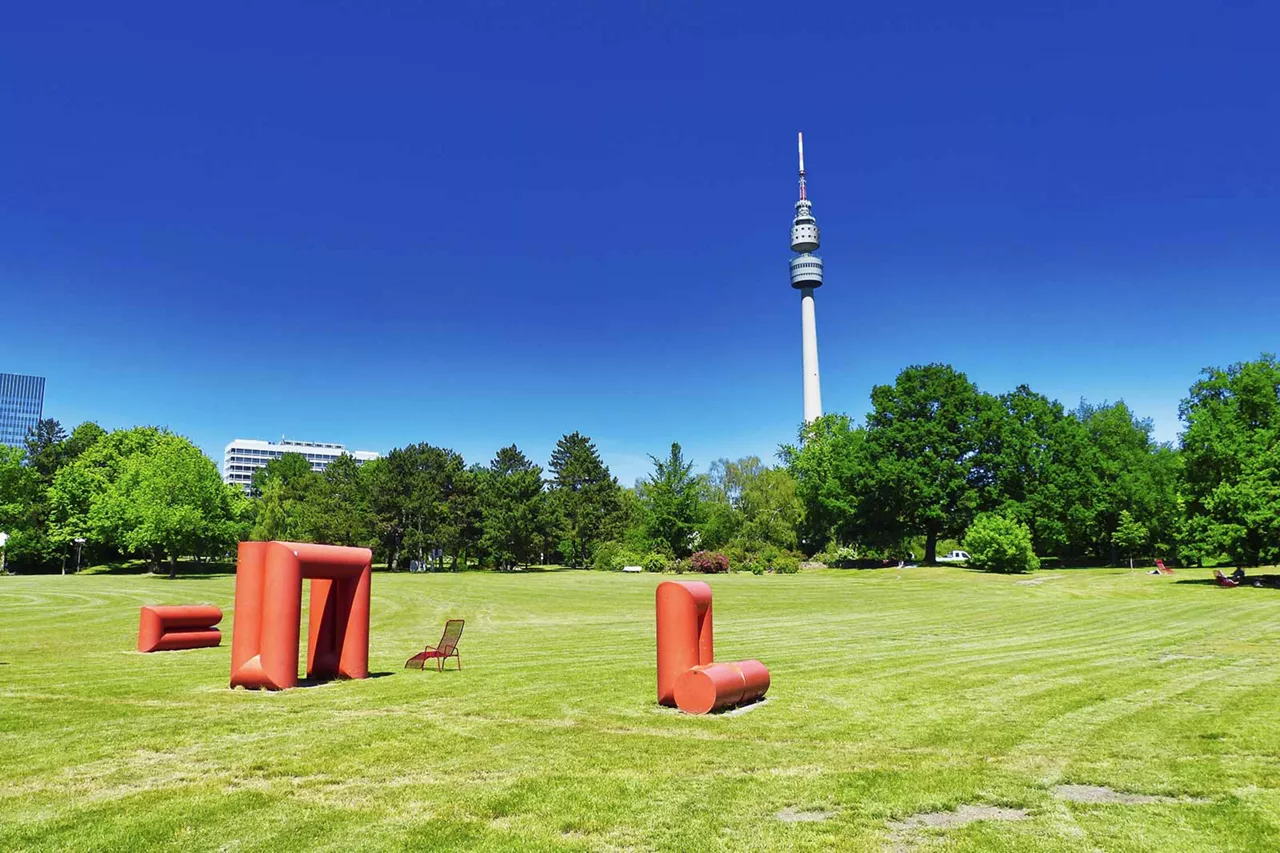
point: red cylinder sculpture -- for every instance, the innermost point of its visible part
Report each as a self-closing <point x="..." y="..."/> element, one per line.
<point x="721" y="685"/>
<point x="188" y="626"/>
<point x="688" y="677"/>
<point x="265" y="632"/>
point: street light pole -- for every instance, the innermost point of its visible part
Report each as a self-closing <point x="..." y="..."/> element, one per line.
<point x="79" y="545"/>
<point x="4" y="540"/>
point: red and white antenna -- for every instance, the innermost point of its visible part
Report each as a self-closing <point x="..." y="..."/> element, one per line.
<point x="800" y="145"/>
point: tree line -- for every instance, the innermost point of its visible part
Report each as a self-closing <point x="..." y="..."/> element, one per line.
<point x="1089" y="485"/>
<point x="933" y="457"/>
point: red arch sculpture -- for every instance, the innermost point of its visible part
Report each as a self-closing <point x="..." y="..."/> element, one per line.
<point x="688" y="676"/>
<point x="265" y="628"/>
<point x="164" y="628"/>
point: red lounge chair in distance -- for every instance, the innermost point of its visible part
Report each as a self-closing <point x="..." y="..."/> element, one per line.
<point x="448" y="648"/>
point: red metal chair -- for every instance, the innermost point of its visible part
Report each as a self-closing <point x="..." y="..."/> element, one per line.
<point x="1223" y="580"/>
<point x="1162" y="568"/>
<point x="447" y="648"/>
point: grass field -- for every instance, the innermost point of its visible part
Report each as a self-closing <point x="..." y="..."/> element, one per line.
<point x="895" y="693"/>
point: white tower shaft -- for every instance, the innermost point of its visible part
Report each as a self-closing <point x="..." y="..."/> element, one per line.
<point x="809" y="350"/>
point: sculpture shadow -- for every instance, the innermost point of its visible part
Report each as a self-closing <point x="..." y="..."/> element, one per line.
<point x="320" y="682"/>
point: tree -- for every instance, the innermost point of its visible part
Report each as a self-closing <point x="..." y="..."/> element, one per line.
<point x="288" y="492"/>
<point x="584" y="496"/>
<point x="169" y="502"/>
<point x="672" y="503"/>
<point x="750" y="504"/>
<point x="1129" y="471"/>
<point x="1231" y="446"/>
<point x="923" y="436"/>
<point x="19" y="495"/>
<point x="338" y="512"/>
<point x="44" y="444"/>
<point x="826" y="465"/>
<point x="76" y="496"/>
<point x="514" y="508"/>
<point x="421" y="499"/>
<point x="1130" y="535"/>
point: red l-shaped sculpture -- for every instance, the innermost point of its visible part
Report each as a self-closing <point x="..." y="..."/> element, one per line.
<point x="688" y="676"/>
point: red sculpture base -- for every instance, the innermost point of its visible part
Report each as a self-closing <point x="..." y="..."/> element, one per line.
<point x="704" y="689"/>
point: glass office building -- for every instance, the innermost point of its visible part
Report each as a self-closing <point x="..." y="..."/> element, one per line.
<point x="21" y="406"/>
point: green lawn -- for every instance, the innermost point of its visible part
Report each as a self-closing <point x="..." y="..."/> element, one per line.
<point x="895" y="692"/>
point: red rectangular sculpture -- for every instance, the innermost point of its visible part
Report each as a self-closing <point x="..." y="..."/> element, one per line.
<point x="265" y="632"/>
<point x="168" y="628"/>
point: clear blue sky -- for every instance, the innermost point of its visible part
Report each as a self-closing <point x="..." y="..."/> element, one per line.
<point x="479" y="223"/>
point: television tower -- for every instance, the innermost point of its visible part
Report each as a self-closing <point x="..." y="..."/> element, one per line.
<point x="806" y="275"/>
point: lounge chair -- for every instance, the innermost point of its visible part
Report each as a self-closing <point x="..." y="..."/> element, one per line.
<point x="1223" y="580"/>
<point x="447" y="648"/>
<point x="1162" y="569"/>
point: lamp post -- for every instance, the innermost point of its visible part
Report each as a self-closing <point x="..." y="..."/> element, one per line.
<point x="79" y="545"/>
<point x="4" y="540"/>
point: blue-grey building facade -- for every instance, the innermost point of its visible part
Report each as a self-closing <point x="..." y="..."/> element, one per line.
<point x="21" y="406"/>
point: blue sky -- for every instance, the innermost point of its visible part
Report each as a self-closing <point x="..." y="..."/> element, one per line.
<point x="481" y="223"/>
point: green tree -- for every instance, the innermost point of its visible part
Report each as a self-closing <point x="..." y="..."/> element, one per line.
<point x="584" y="496"/>
<point x="514" y="520"/>
<point x="288" y="493"/>
<point x="672" y="502"/>
<point x="168" y="502"/>
<point x="1128" y="471"/>
<point x="421" y="500"/>
<point x="1231" y="446"/>
<point x="337" y="512"/>
<point x="920" y="472"/>
<point x="750" y="503"/>
<point x="1130" y="535"/>
<point x="826" y="465"/>
<point x="20" y="491"/>
<point x="45" y="447"/>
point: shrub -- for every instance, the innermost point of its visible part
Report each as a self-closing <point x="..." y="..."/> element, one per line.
<point x="841" y="557"/>
<point x="709" y="562"/>
<point x="612" y="556"/>
<point x="654" y="562"/>
<point x="756" y="568"/>
<point x="786" y="564"/>
<point x="999" y="544"/>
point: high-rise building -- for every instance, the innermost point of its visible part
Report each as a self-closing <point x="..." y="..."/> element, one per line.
<point x="246" y="455"/>
<point x="21" y="406"/>
<point x="806" y="276"/>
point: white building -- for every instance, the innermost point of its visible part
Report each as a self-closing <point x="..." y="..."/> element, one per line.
<point x="246" y="455"/>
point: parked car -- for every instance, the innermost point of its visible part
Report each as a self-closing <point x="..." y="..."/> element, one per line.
<point x="954" y="557"/>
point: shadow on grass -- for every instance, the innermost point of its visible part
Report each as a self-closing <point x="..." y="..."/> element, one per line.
<point x="1250" y="582"/>
<point x="142" y="568"/>
<point x="321" y="682"/>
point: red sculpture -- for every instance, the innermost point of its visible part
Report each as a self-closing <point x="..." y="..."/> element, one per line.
<point x="189" y="626"/>
<point x="688" y="677"/>
<point x="264" y="638"/>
